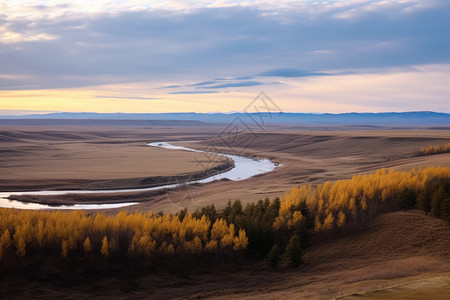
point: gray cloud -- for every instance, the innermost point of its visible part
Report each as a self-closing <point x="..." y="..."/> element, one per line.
<point x="233" y="84"/>
<point x="172" y="86"/>
<point x="217" y="43"/>
<point x="216" y="83"/>
<point x="291" y="72"/>
<point x="194" y="92"/>
<point x="209" y="82"/>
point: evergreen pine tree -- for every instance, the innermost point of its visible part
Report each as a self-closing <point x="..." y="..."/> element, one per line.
<point x="293" y="252"/>
<point x="274" y="256"/>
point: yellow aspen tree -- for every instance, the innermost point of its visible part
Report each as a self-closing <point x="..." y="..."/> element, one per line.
<point x="241" y="241"/>
<point x="40" y="233"/>
<point x="364" y="203"/>
<point x="105" y="247"/>
<point x="198" y="246"/>
<point x="211" y="245"/>
<point x="5" y="242"/>
<point x="6" y="239"/>
<point x="146" y="245"/>
<point x="296" y="217"/>
<point x="170" y="249"/>
<point x="321" y="206"/>
<point x="100" y="222"/>
<point x="87" y="245"/>
<point x="134" y="246"/>
<point x="219" y="229"/>
<point x="328" y="224"/>
<point x="446" y="148"/>
<point x="341" y="219"/>
<point x="21" y="246"/>
<point x="64" y="249"/>
<point x="325" y="190"/>
<point x="1" y="250"/>
<point x="279" y="222"/>
<point x="228" y="238"/>
<point x="317" y="224"/>
<point x="202" y="229"/>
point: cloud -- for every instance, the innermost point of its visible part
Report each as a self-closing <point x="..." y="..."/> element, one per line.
<point x="17" y="32"/>
<point x="234" y="84"/>
<point x="193" y="92"/>
<point x="216" y="83"/>
<point x="124" y="43"/>
<point x="17" y="112"/>
<point x="291" y="72"/>
<point x="172" y="86"/>
<point x="244" y="78"/>
<point x="341" y="8"/>
<point x="209" y="82"/>
<point x="419" y="88"/>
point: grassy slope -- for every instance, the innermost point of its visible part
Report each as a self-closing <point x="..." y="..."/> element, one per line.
<point x="392" y="249"/>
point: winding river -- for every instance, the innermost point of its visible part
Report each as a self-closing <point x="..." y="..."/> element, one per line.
<point x="244" y="168"/>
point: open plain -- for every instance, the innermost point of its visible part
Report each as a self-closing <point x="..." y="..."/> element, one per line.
<point x="386" y="257"/>
<point x="115" y="157"/>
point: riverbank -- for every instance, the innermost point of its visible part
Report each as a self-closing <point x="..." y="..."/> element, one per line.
<point x="104" y="184"/>
<point x="237" y="168"/>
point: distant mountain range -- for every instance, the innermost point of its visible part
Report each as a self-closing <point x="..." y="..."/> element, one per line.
<point x="417" y="118"/>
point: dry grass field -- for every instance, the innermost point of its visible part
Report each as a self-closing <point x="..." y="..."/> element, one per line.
<point x="313" y="157"/>
<point x="117" y="157"/>
<point x="49" y="158"/>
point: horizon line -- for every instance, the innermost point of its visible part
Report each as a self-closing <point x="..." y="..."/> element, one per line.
<point x="20" y="113"/>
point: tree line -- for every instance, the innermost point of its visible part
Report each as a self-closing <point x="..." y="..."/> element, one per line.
<point x="306" y="211"/>
<point x="430" y="150"/>
<point x="147" y="239"/>
<point x="275" y="229"/>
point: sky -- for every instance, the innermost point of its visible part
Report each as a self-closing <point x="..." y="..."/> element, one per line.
<point x="217" y="56"/>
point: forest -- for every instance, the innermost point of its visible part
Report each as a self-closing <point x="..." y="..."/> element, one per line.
<point x="145" y="239"/>
<point x="276" y="230"/>
<point x="317" y="212"/>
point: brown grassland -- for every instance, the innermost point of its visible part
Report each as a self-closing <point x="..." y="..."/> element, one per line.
<point x="397" y="254"/>
<point x="49" y="158"/>
<point x="91" y="153"/>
